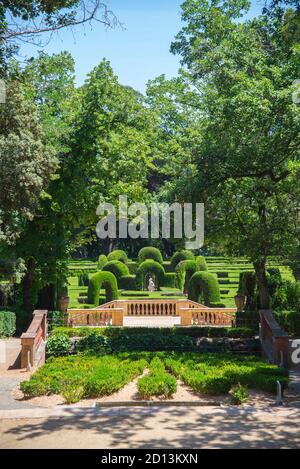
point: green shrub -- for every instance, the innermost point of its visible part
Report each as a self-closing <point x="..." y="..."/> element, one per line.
<point x="73" y="393"/>
<point x="105" y="280"/>
<point x="248" y="287"/>
<point x="58" y="344"/>
<point x="170" y="280"/>
<point x="150" y="268"/>
<point x="289" y="321"/>
<point x="102" y="260"/>
<point x="154" y="340"/>
<point x="117" y="268"/>
<point x="118" y="255"/>
<point x="150" y="252"/>
<point x="204" y="288"/>
<point x="201" y="263"/>
<point x="184" y="271"/>
<point x="132" y="267"/>
<point x="179" y="256"/>
<point x="127" y="282"/>
<point x="239" y="394"/>
<point x="247" y="318"/>
<point x="158" y="382"/>
<point x="83" y="280"/>
<point x="7" y="323"/>
<point x="94" y="343"/>
<point x="55" y="319"/>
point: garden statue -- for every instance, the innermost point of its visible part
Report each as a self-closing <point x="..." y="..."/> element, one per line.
<point x="151" y="285"/>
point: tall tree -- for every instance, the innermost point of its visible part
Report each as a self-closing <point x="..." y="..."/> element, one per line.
<point x="247" y="150"/>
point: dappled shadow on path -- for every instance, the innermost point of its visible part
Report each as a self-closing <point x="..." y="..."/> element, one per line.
<point x="162" y="428"/>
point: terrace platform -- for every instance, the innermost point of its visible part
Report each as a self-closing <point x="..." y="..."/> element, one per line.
<point x="152" y="313"/>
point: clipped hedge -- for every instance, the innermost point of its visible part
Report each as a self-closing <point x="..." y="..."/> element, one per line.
<point x="150" y="252"/>
<point x="83" y="280"/>
<point x="201" y="263"/>
<point x="133" y="267"/>
<point x="184" y="271"/>
<point x="7" y="323"/>
<point x="158" y="382"/>
<point x="150" y="267"/>
<point x="118" y="255"/>
<point x="179" y="256"/>
<point x="204" y="287"/>
<point x="105" y="280"/>
<point x="117" y="268"/>
<point x="102" y="260"/>
<point x="248" y="287"/>
<point x="127" y="282"/>
<point x="170" y="280"/>
<point x="247" y="318"/>
<point x="289" y="321"/>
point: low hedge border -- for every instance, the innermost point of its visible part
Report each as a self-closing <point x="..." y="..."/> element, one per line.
<point x="7" y="323"/>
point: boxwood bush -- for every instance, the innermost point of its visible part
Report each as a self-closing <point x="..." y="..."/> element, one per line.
<point x="118" y="268"/>
<point x="7" y="323"/>
<point x="150" y="253"/>
<point x="158" y="382"/>
<point x="204" y="288"/>
<point x="118" y="255"/>
<point x="184" y="271"/>
<point x="170" y="280"/>
<point x="105" y="280"/>
<point x="179" y="256"/>
<point x="147" y="268"/>
<point x="102" y="260"/>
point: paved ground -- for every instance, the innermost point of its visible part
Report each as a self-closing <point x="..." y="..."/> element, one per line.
<point x="8" y="382"/>
<point x="172" y="427"/>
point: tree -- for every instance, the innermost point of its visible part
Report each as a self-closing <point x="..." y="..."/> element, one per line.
<point x="247" y="150"/>
<point x="27" y="162"/>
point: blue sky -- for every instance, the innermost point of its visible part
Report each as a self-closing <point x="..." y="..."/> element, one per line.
<point x="138" y="53"/>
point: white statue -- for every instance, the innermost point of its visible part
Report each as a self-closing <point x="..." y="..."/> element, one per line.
<point x="151" y="285"/>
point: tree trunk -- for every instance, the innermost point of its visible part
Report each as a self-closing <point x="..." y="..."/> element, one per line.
<point x="261" y="275"/>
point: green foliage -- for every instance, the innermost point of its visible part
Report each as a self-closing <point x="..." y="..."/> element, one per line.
<point x="7" y="323"/>
<point x="118" y="255"/>
<point x="105" y="280"/>
<point x="58" y="344"/>
<point x="83" y="280"/>
<point x="133" y="267"/>
<point x="181" y="256"/>
<point x="239" y="394"/>
<point x="248" y="287"/>
<point x="150" y="268"/>
<point x="157" y="382"/>
<point x="149" y="341"/>
<point x="289" y="321"/>
<point x="55" y="319"/>
<point x="217" y="373"/>
<point x="118" y="268"/>
<point x="184" y="271"/>
<point x="204" y="288"/>
<point x="201" y="263"/>
<point x="94" y="343"/>
<point x="150" y="252"/>
<point x="170" y="280"/>
<point x="127" y="282"/>
<point x="247" y="318"/>
<point x="83" y="376"/>
<point x="102" y="261"/>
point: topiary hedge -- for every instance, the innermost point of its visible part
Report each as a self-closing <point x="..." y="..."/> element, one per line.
<point x="118" y="255"/>
<point x="170" y="280"/>
<point x="105" y="280"/>
<point x="184" y="271"/>
<point x="201" y="263"/>
<point x="150" y="252"/>
<point x="7" y="323"/>
<point x="83" y="280"/>
<point x="117" y="268"/>
<point x="127" y="282"/>
<point x="102" y="260"/>
<point x="179" y="256"/>
<point x="147" y="268"/>
<point x="204" y="288"/>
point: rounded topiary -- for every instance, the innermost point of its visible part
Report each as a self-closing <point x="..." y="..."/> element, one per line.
<point x="184" y="271"/>
<point x="204" y="288"/>
<point x="118" y="255"/>
<point x="150" y="252"/>
<point x="117" y="268"/>
<point x="179" y="256"/>
<point x="105" y="280"/>
<point x="201" y="263"/>
<point x="147" y="268"/>
<point x="127" y="282"/>
<point x="102" y="260"/>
